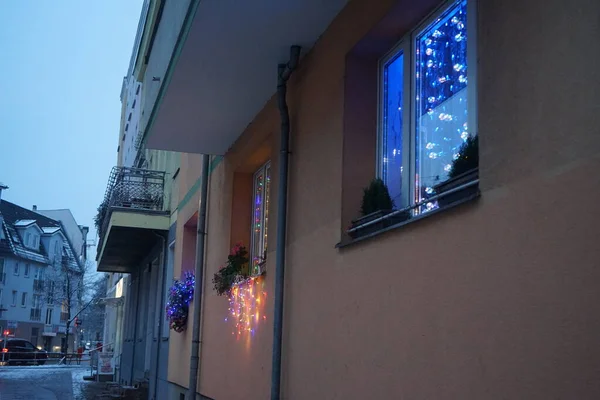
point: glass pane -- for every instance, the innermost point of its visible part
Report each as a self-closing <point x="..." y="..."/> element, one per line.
<point x="390" y="151"/>
<point x="441" y="99"/>
<point x="266" y="211"/>
<point x="257" y="216"/>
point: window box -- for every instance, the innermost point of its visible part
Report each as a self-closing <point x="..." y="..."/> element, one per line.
<point x="458" y="188"/>
<point x="376" y="221"/>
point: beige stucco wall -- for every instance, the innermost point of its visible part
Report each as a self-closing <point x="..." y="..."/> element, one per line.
<point x="495" y="299"/>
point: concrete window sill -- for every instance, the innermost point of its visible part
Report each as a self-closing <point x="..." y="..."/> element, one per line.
<point x="349" y="242"/>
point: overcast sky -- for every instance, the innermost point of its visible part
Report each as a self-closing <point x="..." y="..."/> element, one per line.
<point x="62" y="64"/>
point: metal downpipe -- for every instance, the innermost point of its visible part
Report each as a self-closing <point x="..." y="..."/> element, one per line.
<point x="284" y="72"/>
<point x="162" y="283"/>
<point x="199" y="276"/>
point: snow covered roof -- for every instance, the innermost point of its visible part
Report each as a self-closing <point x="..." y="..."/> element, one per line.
<point x="12" y="243"/>
<point x="24" y="222"/>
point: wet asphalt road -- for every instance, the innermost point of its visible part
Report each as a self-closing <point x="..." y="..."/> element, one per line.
<point x="45" y="383"/>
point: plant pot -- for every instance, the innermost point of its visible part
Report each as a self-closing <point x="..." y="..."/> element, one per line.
<point x="454" y="183"/>
<point x="364" y="229"/>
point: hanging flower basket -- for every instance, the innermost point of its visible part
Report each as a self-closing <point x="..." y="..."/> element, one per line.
<point x="181" y="295"/>
<point x="234" y="271"/>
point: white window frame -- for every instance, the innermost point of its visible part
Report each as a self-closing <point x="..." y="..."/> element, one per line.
<point x="266" y="167"/>
<point x="407" y="45"/>
<point x="14" y="298"/>
<point x="49" y="316"/>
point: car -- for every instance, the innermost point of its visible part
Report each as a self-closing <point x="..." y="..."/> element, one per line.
<point x="21" y="351"/>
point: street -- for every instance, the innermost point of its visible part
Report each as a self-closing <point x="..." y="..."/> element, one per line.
<point x="47" y="383"/>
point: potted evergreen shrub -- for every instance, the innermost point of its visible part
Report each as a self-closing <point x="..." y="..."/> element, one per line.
<point x="376" y="203"/>
<point x="464" y="169"/>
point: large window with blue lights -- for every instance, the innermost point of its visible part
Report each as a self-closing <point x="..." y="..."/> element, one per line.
<point x="427" y="105"/>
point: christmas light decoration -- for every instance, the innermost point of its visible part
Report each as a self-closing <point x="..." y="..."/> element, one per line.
<point x="441" y="103"/>
<point x="181" y="295"/>
<point x="246" y="306"/>
<point x="440" y="106"/>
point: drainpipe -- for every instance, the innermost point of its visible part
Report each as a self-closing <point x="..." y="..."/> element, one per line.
<point x="135" y="326"/>
<point x="199" y="274"/>
<point x="162" y="281"/>
<point x="284" y="71"/>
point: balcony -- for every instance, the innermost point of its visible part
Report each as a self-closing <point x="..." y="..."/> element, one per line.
<point x="193" y="113"/>
<point x="35" y="314"/>
<point x="132" y="211"/>
<point x="38" y="285"/>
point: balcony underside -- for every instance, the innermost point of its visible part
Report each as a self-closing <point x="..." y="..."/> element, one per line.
<point x="227" y="69"/>
<point x="130" y="237"/>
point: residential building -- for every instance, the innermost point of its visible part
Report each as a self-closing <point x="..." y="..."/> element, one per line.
<point x="478" y="287"/>
<point x="136" y="224"/>
<point x="41" y="278"/>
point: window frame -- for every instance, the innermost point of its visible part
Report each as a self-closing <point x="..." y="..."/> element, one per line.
<point x="26" y="270"/>
<point x="16" y="269"/>
<point x="24" y="299"/>
<point x="258" y="270"/>
<point x="407" y="46"/>
<point x="14" y="298"/>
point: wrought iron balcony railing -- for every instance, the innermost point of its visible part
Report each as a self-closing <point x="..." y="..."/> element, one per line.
<point x="132" y="188"/>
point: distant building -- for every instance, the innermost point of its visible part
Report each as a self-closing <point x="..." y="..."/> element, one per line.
<point x="35" y="252"/>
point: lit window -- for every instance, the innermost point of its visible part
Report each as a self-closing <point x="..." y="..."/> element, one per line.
<point x="427" y="109"/>
<point x="260" y="218"/>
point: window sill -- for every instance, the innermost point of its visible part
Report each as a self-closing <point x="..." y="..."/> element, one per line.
<point x="349" y="242"/>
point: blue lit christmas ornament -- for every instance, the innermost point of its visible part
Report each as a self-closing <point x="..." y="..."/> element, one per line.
<point x="181" y="295"/>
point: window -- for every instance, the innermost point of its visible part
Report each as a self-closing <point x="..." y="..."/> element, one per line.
<point x="50" y="298"/>
<point x="23" y="299"/>
<point x="26" y="272"/>
<point x="426" y="106"/>
<point x="16" y="271"/>
<point x="1" y="267"/>
<point x="260" y="217"/>
<point x="57" y="248"/>
<point x="36" y="301"/>
<point x="14" y="298"/>
<point x="48" y="316"/>
<point x="28" y="239"/>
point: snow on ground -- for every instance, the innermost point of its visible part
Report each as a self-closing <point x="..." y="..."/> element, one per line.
<point x="55" y="382"/>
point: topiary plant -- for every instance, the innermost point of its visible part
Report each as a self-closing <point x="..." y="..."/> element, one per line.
<point x="468" y="158"/>
<point x="376" y="197"/>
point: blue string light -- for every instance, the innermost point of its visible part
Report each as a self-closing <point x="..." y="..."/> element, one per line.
<point x="181" y="295"/>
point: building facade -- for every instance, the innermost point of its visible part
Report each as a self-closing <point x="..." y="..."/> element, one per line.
<point x="41" y="278"/>
<point x="474" y="281"/>
<point x="136" y="225"/>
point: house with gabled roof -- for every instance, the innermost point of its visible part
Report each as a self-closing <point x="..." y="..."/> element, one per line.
<point x="41" y="276"/>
